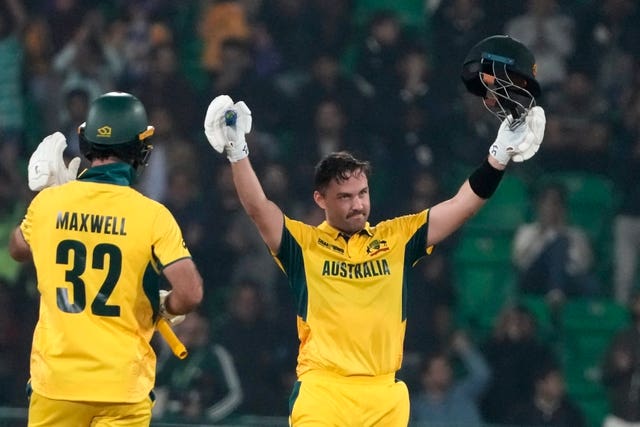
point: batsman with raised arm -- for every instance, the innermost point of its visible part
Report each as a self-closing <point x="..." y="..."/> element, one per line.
<point x="349" y="277"/>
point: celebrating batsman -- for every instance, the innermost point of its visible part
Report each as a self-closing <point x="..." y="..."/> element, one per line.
<point x="348" y="276"/>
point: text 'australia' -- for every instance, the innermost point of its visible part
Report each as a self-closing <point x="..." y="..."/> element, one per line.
<point x="91" y="223"/>
<point x="356" y="271"/>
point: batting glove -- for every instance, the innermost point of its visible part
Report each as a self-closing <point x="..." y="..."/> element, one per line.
<point x="521" y="143"/>
<point x="214" y="122"/>
<point x="46" y="166"/>
<point x="173" y="319"/>
<point x="236" y="147"/>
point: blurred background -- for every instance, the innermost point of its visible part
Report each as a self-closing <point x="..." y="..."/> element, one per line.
<point x="527" y="316"/>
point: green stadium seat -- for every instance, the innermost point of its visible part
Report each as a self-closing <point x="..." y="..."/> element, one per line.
<point x="593" y="315"/>
<point x="481" y="246"/>
<point x="594" y="409"/>
<point x="482" y="292"/>
<point x="411" y="12"/>
<point x="587" y="327"/>
<point x="506" y="209"/>
<point x="591" y="200"/>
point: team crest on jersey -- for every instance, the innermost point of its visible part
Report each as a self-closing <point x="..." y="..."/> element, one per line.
<point x="377" y="246"/>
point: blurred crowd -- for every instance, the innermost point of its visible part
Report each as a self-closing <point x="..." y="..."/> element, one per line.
<point x="380" y="79"/>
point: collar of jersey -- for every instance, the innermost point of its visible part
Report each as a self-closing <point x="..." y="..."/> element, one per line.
<point x="337" y="233"/>
<point x="113" y="173"/>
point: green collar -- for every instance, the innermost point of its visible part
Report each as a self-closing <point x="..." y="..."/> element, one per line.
<point x="114" y="173"/>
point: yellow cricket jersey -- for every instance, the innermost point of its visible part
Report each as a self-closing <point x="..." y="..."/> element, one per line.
<point x="351" y="294"/>
<point x="93" y="241"/>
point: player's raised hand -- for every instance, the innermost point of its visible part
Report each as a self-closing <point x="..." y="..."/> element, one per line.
<point x="214" y="122"/>
<point x="521" y="143"/>
<point x="536" y="122"/>
<point x="46" y="166"/>
<point x="225" y="126"/>
<point x="235" y="131"/>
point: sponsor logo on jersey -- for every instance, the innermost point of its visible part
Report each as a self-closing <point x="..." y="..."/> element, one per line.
<point x="330" y="246"/>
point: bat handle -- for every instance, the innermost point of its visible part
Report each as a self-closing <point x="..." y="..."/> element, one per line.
<point x="230" y="117"/>
<point x="178" y="349"/>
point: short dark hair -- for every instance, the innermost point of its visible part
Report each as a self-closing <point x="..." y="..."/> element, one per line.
<point x="339" y="166"/>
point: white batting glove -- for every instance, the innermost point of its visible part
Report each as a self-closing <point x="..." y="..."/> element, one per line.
<point x="173" y="319"/>
<point x="536" y="122"/>
<point x="236" y="147"/>
<point x="521" y="143"/>
<point x="214" y="122"/>
<point x="46" y="165"/>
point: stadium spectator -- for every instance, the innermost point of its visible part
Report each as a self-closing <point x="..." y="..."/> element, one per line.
<point x="621" y="371"/>
<point x="458" y="25"/>
<point x="251" y="339"/>
<point x="626" y="174"/>
<point x="289" y="23"/>
<point x="580" y="127"/>
<point x="549" y="31"/>
<point x="220" y="21"/>
<point x="446" y="399"/>
<point x="12" y="99"/>
<point x="377" y="53"/>
<point x="514" y="353"/>
<point x="87" y="61"/>
<point x="205" y="386"/>
<point x="608" y="30"/>
<point x="554" y="258"/>
<point x="550" y="404"/>
<point x="76" y="104"/>
<point x="327" y="80"/>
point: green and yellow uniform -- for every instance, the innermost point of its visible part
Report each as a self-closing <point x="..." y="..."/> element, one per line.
<point x="351" y="307"/>
<point x="93" y="241"/>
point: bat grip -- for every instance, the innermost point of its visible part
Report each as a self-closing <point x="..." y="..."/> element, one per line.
<point x="178" y="349"/>
<point x="230" y="117"/>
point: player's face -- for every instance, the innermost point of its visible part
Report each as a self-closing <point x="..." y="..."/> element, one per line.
<point x="346" y="204"/>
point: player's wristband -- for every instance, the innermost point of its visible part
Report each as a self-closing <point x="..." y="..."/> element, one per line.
<point x="485" y="180"/>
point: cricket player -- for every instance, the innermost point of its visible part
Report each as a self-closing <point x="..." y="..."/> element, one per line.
<point x="97" y="246"/>
<point x="349" y="277"/>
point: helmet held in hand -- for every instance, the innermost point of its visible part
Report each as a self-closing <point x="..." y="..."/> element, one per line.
<point x="502" y="71"/>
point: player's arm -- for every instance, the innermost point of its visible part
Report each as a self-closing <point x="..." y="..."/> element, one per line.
<point x="518" y="144"/>
<point x="229" y="136"/>
<point x="265" y="214"/>
<point x="446" y="217"/>
<point x="186" y="287"/>
<point x="19" y="249"/>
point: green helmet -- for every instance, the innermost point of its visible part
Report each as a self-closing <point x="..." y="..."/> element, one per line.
<point x="497" y="53"/>
<point x="502" y="71"/>
<point x="116" y="125"/>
